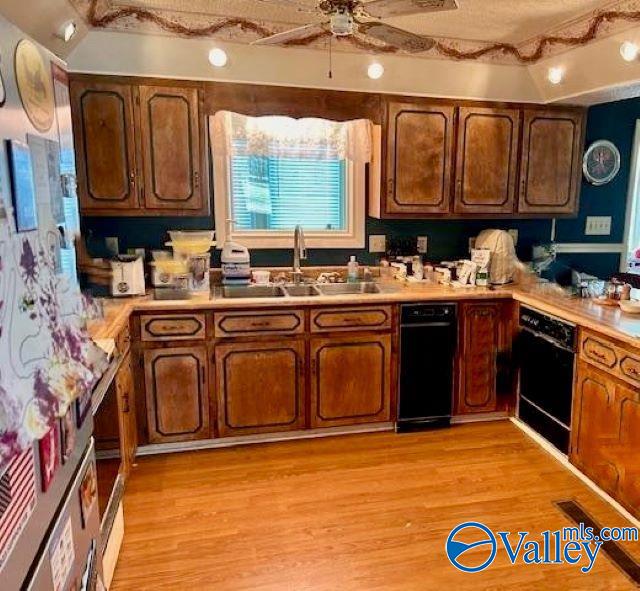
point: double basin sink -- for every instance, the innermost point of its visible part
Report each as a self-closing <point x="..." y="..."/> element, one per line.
<point x="300" y="290"/>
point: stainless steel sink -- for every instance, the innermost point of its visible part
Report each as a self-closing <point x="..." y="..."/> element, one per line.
<point x="253" y="291"/>
<point x="348" y="288"/>
<point x="302" y="290"/>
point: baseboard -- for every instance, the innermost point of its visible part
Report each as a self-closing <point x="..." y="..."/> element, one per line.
<point x="166" y="448"/>
<point x="482" y="417"/>
<point x="564" y="460"/>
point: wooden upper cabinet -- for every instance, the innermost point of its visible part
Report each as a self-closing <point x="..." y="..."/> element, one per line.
<point x="350" y="380"/>
<point x="177" y="393"/>
<point x="105" y="147"/>
<point x="487" y="160"/>
<point x="551" y="162"/>
<point x="171" y="150"/>
<point x="419" y="158"/>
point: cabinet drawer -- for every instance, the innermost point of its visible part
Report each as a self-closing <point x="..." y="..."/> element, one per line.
<point x="599" y="351"/>
<point x="338" y="319"/>
<point x="256" y="323"/>
<point x="173" y="327"/>
<point x="613" y="357"/>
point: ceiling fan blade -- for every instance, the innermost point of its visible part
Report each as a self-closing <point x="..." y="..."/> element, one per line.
<point x="389" y="8"/>
<point x="404" y="40"/>
<point x="292" y="34"/>
<point x="298" y="5"/>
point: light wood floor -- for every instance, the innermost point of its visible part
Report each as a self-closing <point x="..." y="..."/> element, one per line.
<point x="361" y="512"/>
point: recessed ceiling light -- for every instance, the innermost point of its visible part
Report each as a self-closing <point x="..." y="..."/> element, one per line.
<point x="555" y="75"/>
<point x="218" y="57"/>
<point x="67" y="31"/>
<point x="629" y="51"/>
<point x="375" y="71"/>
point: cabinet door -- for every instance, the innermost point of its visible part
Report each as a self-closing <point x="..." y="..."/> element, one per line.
<point x="350" y="380"/>
<point x="480" y="338"/>
<point x="170" y="142"/>
<point x="176" y="391"/>
<point x="419" y="157"/>
<point x="550" y="174"/>
<point x="487" y="160"/>
<point x="260" y="387"/>
<point x="606" y="434"/>
<point x="105" y="148"/>
<point x="127" y="415"/>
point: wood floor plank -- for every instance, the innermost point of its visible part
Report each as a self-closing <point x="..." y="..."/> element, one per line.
<point x="361" y="512"/>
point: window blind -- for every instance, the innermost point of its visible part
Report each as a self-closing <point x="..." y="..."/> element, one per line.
<point x="302" y="191"/>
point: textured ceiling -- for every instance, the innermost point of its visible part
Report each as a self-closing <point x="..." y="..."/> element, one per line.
<point x="512" y="21"/>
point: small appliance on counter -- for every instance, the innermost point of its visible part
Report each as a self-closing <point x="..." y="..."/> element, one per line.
<point x="235" y="259"/>
<point x="127" y="276"/>
<point x="502" y="267"/>
<point x="185" y="274"/>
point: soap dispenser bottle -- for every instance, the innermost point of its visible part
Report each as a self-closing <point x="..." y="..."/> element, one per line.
<point x="352" y="270"/>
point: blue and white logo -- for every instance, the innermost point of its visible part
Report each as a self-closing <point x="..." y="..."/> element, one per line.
<point x="468" y="536"/>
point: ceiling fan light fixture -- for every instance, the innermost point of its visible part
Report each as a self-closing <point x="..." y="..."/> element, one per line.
<point x="375" y="71"/>
<point x="629" y="51"/>
<point x="555" y="75"/>
<point x="218" y="57"/>
<point x="342" y="23"/>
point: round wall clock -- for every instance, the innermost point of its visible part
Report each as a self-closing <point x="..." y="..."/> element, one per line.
<point x="34" y="85"/>
<point x="601" y="162"/>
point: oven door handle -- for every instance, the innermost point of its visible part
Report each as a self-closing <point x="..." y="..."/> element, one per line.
<point x="546" y="338"/>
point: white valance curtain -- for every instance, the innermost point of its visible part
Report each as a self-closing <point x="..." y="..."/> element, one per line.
<point x="233" y="134"/>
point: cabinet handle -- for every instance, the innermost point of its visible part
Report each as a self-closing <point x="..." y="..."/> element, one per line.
<point x="125" y="403"/>
<point x="202" y="377"/>
<point x="196" y="179"/>
<point x="263" y="324"/>
<point x="132" y="179"/>
<point x="390" y="186"/>
<point x="351" y="320"/>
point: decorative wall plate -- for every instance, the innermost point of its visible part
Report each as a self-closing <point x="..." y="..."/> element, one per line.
<point x="601" y="162"/>
<point x="34" y="85"/>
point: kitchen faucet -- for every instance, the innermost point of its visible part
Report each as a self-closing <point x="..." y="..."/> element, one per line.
<point x="299" y="253"/>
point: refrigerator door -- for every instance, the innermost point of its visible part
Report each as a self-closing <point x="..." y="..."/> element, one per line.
<point x="71" y="558"/>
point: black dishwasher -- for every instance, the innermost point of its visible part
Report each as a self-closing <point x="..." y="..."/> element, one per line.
<point x="428" y="340"/>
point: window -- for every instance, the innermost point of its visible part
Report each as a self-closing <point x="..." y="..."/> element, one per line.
<point x="629" y="261"/>
<point x="274" y="173"/>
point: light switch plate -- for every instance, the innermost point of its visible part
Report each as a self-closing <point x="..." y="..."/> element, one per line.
<point x="598" y="225"/>
<point x="423" y="244"/>
<point x="377" y="243"/>
<point x="514" y="234"/>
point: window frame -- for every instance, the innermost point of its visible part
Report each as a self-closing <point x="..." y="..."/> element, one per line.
<point x="354" y="236"/>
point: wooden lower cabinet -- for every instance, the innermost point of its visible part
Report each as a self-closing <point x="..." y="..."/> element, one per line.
<point x="260" y="386"/>
<point x="176" y="387"/>
<point x="606" y="434"/>
<point x="485" y="378"/>
<point x="125" y="391"/>
<point x="350" y="380"/>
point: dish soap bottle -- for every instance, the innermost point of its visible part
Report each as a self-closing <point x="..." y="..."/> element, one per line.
<point x="352" y="270"/>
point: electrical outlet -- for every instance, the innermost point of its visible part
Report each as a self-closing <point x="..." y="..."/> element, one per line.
<point x="514" y="234"/>
<point x="423" y="244"/>
<point x="598" y="226"/>
<point x="377" y="243"/>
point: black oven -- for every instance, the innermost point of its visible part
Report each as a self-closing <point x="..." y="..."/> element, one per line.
<point x="546" y="353"/>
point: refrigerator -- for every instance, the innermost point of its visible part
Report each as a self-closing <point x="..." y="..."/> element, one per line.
<point x="49" y="517"/>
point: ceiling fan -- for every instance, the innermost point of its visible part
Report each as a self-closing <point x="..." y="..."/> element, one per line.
<point x="347" y="17"/>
